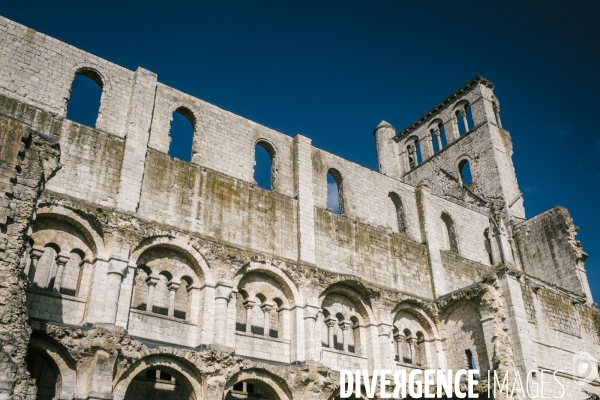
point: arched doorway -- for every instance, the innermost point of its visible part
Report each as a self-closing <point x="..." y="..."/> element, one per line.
<point x="47" y="378"/>
<point x="154" y="383"/>
<point x="250" y="391"/>
<point x="159" y="376"/>
<point x="256" y="384"/>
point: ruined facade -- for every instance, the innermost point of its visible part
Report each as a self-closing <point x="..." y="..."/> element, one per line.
<point x="128" y="274"/>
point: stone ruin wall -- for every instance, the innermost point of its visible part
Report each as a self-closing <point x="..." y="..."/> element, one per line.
<point x="119" y="211"/>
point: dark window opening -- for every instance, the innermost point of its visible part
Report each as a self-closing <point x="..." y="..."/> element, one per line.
<point x="335" y="194"/>
<point x="257" y="330"/>
<point x="465" y="172"/>
<point x="434" y="142"/>
<point x="273" y="333"/>
<point x="182" y="134"/>
<point x="241" y="327"/>
<point x="84" y="100"/>
<point x="263" y="168"/>
<point x="460" y="122"/>
<point x="471" y="361"/>
<point x="239" y="386"/>
<point x="442" y="135"/>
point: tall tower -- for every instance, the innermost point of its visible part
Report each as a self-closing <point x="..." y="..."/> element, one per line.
<point x="459" y="149"/>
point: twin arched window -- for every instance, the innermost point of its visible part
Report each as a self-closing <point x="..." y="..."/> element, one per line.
<point x="438" y="137"/>
<point x="413" y="151"/>
<point x="464" y="119"/>
<point x="409" y="348"/>
<point x="257" y="315"/>
<point x="161" y="294"/>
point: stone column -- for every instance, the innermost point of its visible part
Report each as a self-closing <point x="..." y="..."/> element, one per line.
<point x="249" y="305"/>
<point x="151" y="281"/>
<point x="497" y="115"/>
<point x="34" y="257"/>
<point x="303" y="190"/>
<point x="410" y="354"/>
<point x="463" y="114"/>
<point x="385" y="346"/>
<point x="222" y="294"/>
<point x="310" y="318"/>
<point x="266" y="309"/>
<point x="61" y="260"/>
<point x="172" y="286"/>
<point x="388" y="158"/>
<point x="330" y="323"/>
<point x="139" y="119"/>
<point x="438" y="136"/>
<point x="111" y="297"/>
<point x="344" y="325"/>
<point x="193" y="308"/>
<point x="399" y="341"/>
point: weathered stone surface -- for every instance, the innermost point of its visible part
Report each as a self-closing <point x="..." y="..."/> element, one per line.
<point x="125" y="273"/>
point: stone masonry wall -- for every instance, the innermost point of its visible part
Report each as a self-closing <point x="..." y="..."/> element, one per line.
<point x="27" y="160"/>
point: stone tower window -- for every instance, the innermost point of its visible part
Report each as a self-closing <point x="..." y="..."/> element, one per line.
<point x="335" y="191"/>
<point x="464" y="169"/>
<point x="450" y="233"/>
<point x="264" y="165"/>
<point x="181" y="134"/>
<point x="83" y="104"/>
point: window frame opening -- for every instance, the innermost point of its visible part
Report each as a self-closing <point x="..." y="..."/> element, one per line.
<point x="339" y="182"/>
<point x="180" y="138"/>
<point x="271" y="153"/>
<point x="83" y="94"/>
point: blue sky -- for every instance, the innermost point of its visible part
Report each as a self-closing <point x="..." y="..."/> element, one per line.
<point x="332" y="70"/>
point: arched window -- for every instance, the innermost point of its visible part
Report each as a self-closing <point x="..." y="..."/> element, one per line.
<point x="355" y="347"/>
<point x="407" y="348"/>
<point x="335" y="191"/>
<point x="264" y="171"/>
<point x="470" y="122"/>
<point x="442" y="135"/>
<point x="182" y="302"/>
<point x="84" y="98"/>
<point x="160" y="303"/>
<point x="44" y="375"/>
<point x="72" y="273"/>
<point x="45" y="272"/>
<point x="461" y="122"/>
<point x="434" y="141"/>
<point x="420" y="358"/>
<point x="413" y="150"/>
<point x="275" y="313"/>
<point x="464" y="170"/>
<point x="450" y="233"/>
<point x="400" y="221"/>
<point x="182" y="134"/>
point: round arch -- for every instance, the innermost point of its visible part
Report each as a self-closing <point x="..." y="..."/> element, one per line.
<point x="93" y="235"/>
<point x="359" y="301"/>
<point x="286" y="283"/>
<point x="187" y="374"/>
<point x="420" y="315"/>
<point x="177" y="245"/>
<point x="272" y="384"/>
<point x="59" y="361"/>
